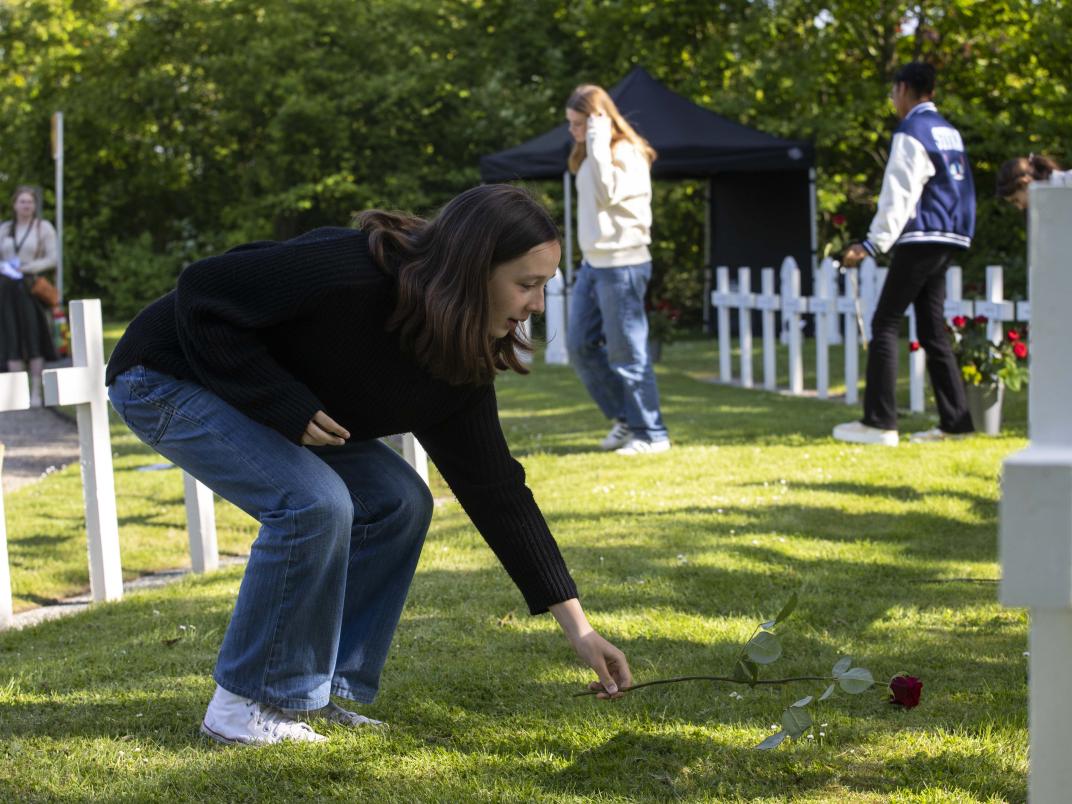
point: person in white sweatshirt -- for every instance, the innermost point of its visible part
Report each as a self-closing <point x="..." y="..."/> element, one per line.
<point x="607" y="332"/>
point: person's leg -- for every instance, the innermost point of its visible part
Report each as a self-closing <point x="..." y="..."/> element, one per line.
<point x="909" y="270"/>
<point x="625" y="326"/>
<point x="280" y="646"/>
<point x="392" y="510"/>
<point x="946" y="380"/>
<point x="587" y="347"/>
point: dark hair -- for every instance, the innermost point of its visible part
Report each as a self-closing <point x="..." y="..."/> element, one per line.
<point x="1020" y="172"/>
<point x="918" y="76"/>
<point x="443" y="267"/>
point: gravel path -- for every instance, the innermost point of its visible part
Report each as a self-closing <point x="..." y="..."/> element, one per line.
<point x="36" y="441"/>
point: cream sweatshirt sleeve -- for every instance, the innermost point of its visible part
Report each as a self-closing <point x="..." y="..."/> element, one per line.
<point x="620" y="174"/>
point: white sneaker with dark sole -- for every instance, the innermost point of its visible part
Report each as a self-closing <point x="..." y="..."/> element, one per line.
<point x="860" y="433"/>
<point x="638" y="446"/>
<point x="236" y="720"/>
<point x="619" y="436"/>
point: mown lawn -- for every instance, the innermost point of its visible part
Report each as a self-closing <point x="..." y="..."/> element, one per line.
<point x="677" y="556"/>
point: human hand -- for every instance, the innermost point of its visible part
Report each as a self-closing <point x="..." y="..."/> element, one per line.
<point x="324" y="431"/>
<point x="608" y="662"/>
<point x="599" y="125"/>
<point x="854" y="255"/>
<point x="10" y="269"/>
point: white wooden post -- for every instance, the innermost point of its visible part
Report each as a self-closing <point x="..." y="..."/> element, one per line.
<point x="745" y="301"/>
<point x="415" y="455"/>
<point x="954" y="295"/>
<point x="82" y="385"/>
<point x="917" y="362"/>
<point x="555" y="321"/>
<point x="995" y="308"/>
<point x="525" y="328"/>
<point x="792" y="306"/>
<point x="768" y="302"/>
<point x="1036" y="512"/>
<point x="848" y="305"/>
<point x="1023" y="310"/>
<point x="722" y="300"/>
<point x="200" y="524"/>
<point x="14" y="395"/>
<point x="822" y="305"/>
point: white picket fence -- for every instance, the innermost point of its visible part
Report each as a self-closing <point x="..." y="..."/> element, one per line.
<point x="835" y="319"/>
<point x="82" y="385"/>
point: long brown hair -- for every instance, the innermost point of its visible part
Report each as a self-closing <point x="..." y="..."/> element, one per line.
<point x="589" y="99"/>
<point x="443" y="267"/>
<point x="1016" y="173"/>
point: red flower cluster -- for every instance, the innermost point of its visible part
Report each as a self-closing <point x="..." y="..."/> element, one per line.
<point x="1013" y="335"/>
<point x="664" y="306"/>
<point x="905" y="690"/>
<point x="981" y="319"/>
<point x="838" y="219"/>
<point x="1020" y="349"/>
<point x="913" y="346"/>
<point x="959" y="321"/>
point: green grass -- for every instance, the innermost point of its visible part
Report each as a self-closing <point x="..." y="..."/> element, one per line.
<point x="677" y="557"/>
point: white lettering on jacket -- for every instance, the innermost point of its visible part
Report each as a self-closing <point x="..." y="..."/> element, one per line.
<point x="947" y="139"/>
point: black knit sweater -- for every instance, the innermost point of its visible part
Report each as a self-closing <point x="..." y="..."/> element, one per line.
<point x="282" y="330"/>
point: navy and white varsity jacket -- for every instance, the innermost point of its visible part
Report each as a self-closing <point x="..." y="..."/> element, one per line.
<point x="928" y="195"/>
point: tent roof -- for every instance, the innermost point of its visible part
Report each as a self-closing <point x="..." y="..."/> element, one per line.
<point x="692" y="141"/>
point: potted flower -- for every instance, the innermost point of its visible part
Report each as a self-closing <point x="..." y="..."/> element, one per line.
<point x="988" y="368"/>
<point x="662" y="320"/>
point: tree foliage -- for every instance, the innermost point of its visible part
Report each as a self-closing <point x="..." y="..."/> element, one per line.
<point x="194" y="125"/>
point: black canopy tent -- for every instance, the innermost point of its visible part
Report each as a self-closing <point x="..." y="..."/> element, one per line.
<point x="761" y="188"/>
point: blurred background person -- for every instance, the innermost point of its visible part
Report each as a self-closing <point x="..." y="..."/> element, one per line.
<point x="1016" y="175"/>
<point x="27" y="249"/>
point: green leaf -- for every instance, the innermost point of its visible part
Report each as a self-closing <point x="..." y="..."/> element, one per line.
<point x="829" y="691"/>
<point x="745" y="670"/>
<point x="803" y="701"/>
<point x="787" y="609"/>
<point x="772" y="742"/>
<point x="843" y="664"/>
<point x="763" y="648"/>
<point x="796" y="721"/>
<point x="856" y="680"/>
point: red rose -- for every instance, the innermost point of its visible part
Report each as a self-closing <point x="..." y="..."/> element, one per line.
<point x="905" y="690"/>
<point x="1020" y="349"/>
<point x="1013" y="335"/>
<point x="959" y="321"/>
<point x="913" y="346"/>
<point x="838" y="220"/>
<point x="981" y="319"/>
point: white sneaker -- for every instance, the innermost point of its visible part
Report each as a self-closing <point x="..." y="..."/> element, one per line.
<point x="333" y="713"/>
<point x="233" y="719"/>
<point x="935" y="434"/>
<point x="860" y="433"/>
<point x="618" y="436"/>
<point x="638" y="446"/>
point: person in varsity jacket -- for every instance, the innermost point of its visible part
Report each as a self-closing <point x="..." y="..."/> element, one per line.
<point x="926" y="214"/>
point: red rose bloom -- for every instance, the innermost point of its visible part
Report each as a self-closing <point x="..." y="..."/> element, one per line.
<point x="905" y="690"/>
<point x="838" y="220"/>
<point x="913" y="346"/>
<point x="1020" y="349"/>
<point x="959" y="321"/>
<point x="981" y="319"/>
<point x="1013" y="335"/>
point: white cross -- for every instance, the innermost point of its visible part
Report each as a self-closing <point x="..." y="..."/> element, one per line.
<point x="82" y="385"/>
<point x="745" y="301"/>
<point x="14" y="395"/>
<point x="793" y="305"/>
<point x="1036" y="505"/>
<point x="768" y="301"/>
<point x="823" y="306"/>
<point x="722" y="300"/>
<point x="849" y="306"/>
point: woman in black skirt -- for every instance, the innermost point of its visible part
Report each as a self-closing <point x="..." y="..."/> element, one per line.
<point x="27" y="248"/>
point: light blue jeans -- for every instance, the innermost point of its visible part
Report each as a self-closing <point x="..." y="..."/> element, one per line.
<point x="608" y="346"/>
<point x="341" y="531"/>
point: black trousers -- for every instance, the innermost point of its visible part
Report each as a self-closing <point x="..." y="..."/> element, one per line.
<point x="917" y="276"/>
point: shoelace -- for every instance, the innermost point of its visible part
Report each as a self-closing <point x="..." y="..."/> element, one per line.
<point x="270" y="720"/>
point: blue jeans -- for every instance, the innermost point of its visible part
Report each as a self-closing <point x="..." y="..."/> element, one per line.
<point x="608" y="346"/>
<point x="341" y="531"/>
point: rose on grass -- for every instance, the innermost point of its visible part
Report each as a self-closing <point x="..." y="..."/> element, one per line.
<point x="1020" y="349"/>
<point x="913" y="346"/>
<point x="905" y="690"/>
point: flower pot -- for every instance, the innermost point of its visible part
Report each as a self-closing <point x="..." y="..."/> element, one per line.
<point x="655" y="350"/>
<point x="984" y="403"/>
